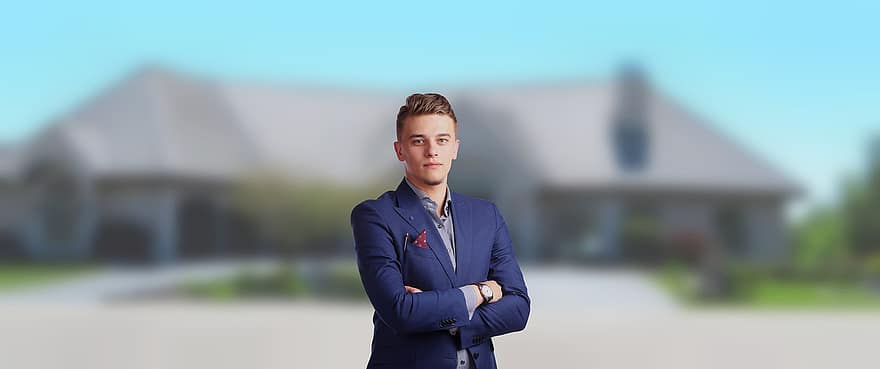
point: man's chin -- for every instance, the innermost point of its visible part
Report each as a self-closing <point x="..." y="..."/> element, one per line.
<point x="432" y="181"/>
<point x="428" y="179"/>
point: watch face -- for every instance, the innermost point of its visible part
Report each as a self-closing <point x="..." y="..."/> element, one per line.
<point x="486" y="291"/>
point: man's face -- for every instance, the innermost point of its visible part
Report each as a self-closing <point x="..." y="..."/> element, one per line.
<point x="427" y="144"/>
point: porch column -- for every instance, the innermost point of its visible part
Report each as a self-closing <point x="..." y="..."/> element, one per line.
<point x="610" y="214"/>
<point x="165" y="227"/>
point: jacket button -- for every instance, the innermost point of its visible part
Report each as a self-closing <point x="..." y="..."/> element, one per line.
<point x="476" y="355"/>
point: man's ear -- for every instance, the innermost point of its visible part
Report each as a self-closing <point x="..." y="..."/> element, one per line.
<point x="398" y="150"/>
<point x="455" y="152"/>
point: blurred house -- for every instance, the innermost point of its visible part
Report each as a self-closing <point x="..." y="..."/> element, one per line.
<point x="11" y="205"/>
<point x="593" y="170"/>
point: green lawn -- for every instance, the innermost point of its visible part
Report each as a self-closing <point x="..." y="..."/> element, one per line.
<point x="22" y="275"/>
<point x="766" y="292"/>
<point x="339" y="281"/>
<point x="797" y="294"/>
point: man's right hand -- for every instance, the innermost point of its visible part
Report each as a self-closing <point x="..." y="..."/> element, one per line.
<point x="496" y="291"/>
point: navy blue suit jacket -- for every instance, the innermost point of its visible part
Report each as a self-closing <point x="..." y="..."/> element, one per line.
<point x="412" y="330"/>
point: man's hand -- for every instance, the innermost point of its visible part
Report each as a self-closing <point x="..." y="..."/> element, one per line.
<point x="496" y="291"/>
<point x="412" y="289"/>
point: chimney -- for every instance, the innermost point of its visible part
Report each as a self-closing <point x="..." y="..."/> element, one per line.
<point x="630" y="120"/>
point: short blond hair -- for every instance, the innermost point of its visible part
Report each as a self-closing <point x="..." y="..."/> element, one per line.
<point x="424" y="104"/>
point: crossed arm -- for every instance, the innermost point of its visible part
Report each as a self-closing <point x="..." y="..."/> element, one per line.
<point x="510" y="313"/>
<point x="407" y="310"/>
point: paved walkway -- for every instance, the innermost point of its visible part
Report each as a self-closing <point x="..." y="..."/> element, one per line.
<point x="113" y="283"/>
<point x="555" y="290"/>
<point x="552" y="289"/>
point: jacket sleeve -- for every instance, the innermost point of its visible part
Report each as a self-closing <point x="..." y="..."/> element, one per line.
<point x="380" y="271"/>
<point x="511" y="313"/>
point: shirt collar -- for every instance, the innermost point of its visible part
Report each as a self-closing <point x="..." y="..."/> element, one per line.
<point x="424" y="196"/>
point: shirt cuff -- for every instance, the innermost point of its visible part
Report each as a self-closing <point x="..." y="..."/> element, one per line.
<point x="470" y="299"/>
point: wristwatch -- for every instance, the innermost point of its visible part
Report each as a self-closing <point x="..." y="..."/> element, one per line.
<point x="486" y="291"/>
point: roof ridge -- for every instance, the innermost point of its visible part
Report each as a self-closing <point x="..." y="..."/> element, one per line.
<point x="156" y="79"/>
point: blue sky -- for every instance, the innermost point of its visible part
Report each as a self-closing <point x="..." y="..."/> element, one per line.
<point x="795" y="82"/>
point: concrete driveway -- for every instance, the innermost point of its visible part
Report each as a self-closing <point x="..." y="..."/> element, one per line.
<point x="321" y="335"/>
<point x="580" y="319"/>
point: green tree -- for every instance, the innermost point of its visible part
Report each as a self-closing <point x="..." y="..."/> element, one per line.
<point x="302" y="217"/>
<point x="833" y="239"/>
<point x="861" y="207"/>
<point x="820" y="242"/>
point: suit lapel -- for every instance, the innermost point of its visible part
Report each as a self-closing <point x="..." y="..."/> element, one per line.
<point x="463" y="226"/>
<point x="410" y="208"/>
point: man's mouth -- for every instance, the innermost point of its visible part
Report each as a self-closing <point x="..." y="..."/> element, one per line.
<point x="432" y="165"/>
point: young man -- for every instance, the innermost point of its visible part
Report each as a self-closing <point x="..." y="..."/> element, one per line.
<point x="437" y="265"/>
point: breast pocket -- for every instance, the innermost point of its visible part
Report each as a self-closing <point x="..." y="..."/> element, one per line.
<point x="415" y="251"/>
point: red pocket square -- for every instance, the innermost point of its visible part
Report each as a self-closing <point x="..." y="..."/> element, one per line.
<point x="422" y="240"/>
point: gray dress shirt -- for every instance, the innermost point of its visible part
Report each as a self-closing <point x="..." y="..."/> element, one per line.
<point x="443" y="222"/>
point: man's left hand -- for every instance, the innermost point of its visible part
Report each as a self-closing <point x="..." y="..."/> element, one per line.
<point x="412" y="289"/>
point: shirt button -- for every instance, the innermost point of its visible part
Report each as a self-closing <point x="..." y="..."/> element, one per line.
<point x="461" y="362"/>
<point x="440" y="226"/>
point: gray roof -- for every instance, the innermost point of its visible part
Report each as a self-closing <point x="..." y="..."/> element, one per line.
<point x="568" y="130"/>
<point x="158" y="123"/>
<point x="162" y="122"/>
<point x="335" y="134"/>
<point x="9" y="162"/>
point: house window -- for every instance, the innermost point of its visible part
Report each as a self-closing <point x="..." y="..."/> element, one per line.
<point x="60" y="208"/>
<point x="732" y="230"/>
<point x="58" y="202"/>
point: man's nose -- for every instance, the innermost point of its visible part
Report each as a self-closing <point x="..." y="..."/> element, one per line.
<point x="431" y="150"/>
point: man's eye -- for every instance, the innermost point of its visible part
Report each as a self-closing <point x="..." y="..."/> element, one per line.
<point x="443" y="140"/>
<point x="418" y="142"/>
